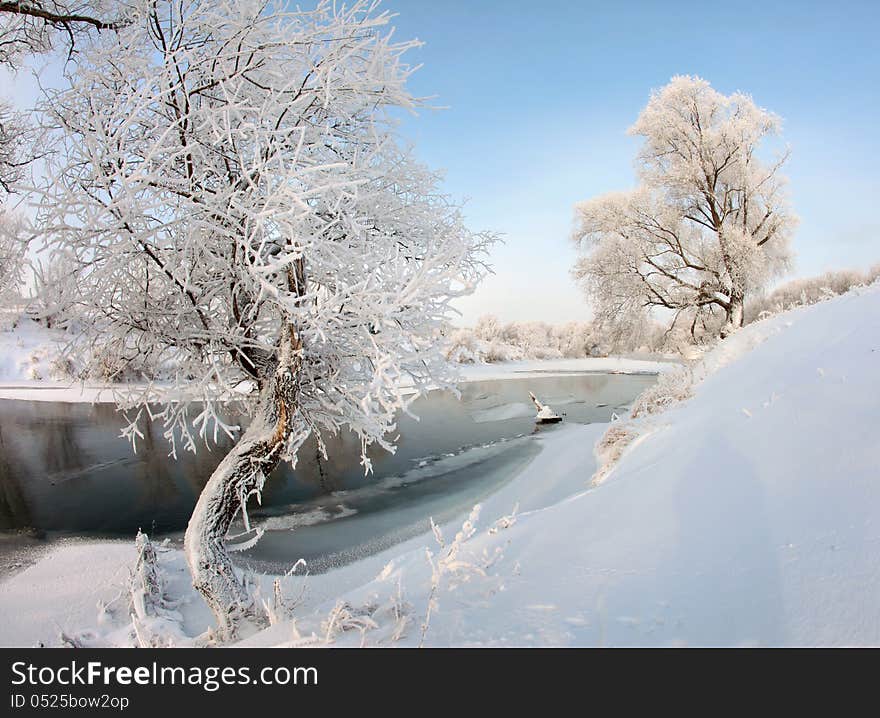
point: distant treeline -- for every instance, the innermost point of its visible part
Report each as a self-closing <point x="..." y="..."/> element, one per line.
<point x="492" y="341"/>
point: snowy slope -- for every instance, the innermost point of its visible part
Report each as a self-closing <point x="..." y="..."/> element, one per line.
<point x="747" y="515"/>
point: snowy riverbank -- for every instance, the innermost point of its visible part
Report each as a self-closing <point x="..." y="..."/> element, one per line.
<point x="746" y="515"/>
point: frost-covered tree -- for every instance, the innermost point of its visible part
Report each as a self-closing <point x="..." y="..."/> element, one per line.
<point x="232" y="192"/>
<point x="13" y="247"/>
<point x="708" y="224"/>
<point x="34" y="26"/>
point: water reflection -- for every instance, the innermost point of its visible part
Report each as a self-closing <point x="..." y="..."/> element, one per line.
<point x="63" y="467"/>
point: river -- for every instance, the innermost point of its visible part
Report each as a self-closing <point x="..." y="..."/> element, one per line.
<point x="64" y="471"/>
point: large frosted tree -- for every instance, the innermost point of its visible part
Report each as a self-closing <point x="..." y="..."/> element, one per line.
<point x="708" y="223"/>
<point x="232" y="199"/>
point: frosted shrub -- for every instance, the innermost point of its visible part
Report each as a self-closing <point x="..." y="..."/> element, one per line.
<point x="146" y="584"/>
<point x="116" y="361"/>
<point x="496" y="351"/>
<point x="671" y="388"/>
<point x="448" y="564"/>
<point x="462" y="347"/>
<point x="344" y="617"/>
<point x="155" y="622"/>
<point x="611" y="447"/>
<point x="489" y="342"/>
<point x="807" y="291"/>
<point x="278" y="608"/>
<point x="61" y="368"/>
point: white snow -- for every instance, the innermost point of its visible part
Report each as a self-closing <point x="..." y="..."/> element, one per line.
<point x="32" y="367"/>
<point x="27" y="352"/>
<point x="718" y="527"/>
<point x="560" y="367"/>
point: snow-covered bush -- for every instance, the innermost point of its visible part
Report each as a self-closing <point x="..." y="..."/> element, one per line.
<point x="611" y="447"/>
<point x="449" y="565"/>
<point x="464" y="347"/>
<point x="670" y="389"/>
<point x="53" y="302"/>
<point x="13" y="261"/>
<point x="490" y="341"/>
<point x="810" y="290"/>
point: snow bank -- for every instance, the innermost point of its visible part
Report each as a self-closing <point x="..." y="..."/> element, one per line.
<point x="560" y="367"/>
<point x="32" y="367"/>
<point x="30" y="353"/>
<point x="748" y="514"/>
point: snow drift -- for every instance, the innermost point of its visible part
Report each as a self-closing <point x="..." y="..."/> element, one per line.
<point x="748" y="514"/>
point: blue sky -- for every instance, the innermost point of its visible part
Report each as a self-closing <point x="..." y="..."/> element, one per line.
<point x="539" y="96"/>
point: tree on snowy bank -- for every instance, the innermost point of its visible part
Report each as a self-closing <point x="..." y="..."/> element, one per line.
<point x="708" y="224"/>
<point x="231" y="191"/>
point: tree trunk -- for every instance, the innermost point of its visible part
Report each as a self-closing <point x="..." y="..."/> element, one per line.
<point x="735" y="313"/>
<point x="241" y="473"/>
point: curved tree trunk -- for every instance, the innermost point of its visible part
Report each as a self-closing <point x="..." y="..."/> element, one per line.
<point x="241" y="472"/>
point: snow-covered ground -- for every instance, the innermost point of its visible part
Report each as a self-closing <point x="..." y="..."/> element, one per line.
<point x="32" y="367"/>
<point x="746" y="515"/>
<point x="29" y="352"/>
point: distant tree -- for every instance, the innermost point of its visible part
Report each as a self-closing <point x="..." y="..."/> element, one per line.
<point x="708" y="224"/>
<point x="488" y="328"/>
<point x="232" y="193"/>
<point x="13" y="247"/>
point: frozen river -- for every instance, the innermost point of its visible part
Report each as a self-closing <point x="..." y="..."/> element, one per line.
<point x="64" y="471"/>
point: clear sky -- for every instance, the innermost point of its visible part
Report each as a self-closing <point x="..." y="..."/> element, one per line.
<point x="540" y="94"/>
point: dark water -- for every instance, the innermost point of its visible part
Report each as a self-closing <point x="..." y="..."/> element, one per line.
<point x="65" y="471"/>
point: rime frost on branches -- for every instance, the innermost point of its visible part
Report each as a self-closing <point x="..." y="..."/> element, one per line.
<point x="709" y="223"/>
<point x="34" y="26"/>
<point x="231" y="196"/>
<point x="226" y="150"/>
<point x="448" y="563"/>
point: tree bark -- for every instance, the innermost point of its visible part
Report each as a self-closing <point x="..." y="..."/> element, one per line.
<point x="735" y="313"/>
<point x="241" y="472"/>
